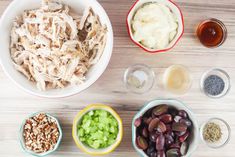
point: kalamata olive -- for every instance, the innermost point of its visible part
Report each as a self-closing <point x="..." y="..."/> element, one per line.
<point x="141" y="143"/>
<point x="160" y="109"/>
<point x="153" y="116"/>
<point x="153" y="136"/>
<point x="183" y="113"/>
<point x="178" y="133"/>
<point x="173" y="153"/>
<point x="173" y="111"/>
<point x="138" y="122"/>
<point x="147" y="120"/>
<point x="160" y="142"/>
<point x="150" y="150"/>
<point x="145" y="132"/>
<point x="151" y="143"/>
<point x="184" y="137"/>
<point x="161" y="127"/>
<point x="168" y="140"/>
<point x="166" y="118"/>
<point x="153" y="154"/>
<point x="184" y="148"/>
<point x="186" y="122"/>
<point x="175" y="145"/>
<point x="148" y="113"/>
<point x="170" y="133"/>
<point x="179" y="127"/>
<point x="177" y="119"/>
<point x="161" y="154"/>
<point x="168" y="127"/>
<point x="153" y="124"/>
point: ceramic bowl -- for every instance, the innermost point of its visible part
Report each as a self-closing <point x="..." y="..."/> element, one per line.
<point x="174" y="8"/>
<point x="84" y="147"/>
<point x="22" y="143"/>
<point x="195" y="136"/>
<point x="225" y="130"/>
<point x="16" y="8"/>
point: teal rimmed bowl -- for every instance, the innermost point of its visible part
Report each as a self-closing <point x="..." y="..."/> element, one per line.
<point x="22" y="142"/>
<point x="194" y="138"/>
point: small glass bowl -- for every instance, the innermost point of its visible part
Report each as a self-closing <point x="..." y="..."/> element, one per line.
<point x="187" y="79"/>
<point x="139" y="78"/>
<point x="225" y="129"/>
<point x="223" y="75"/>
<point x="215" y="21"/>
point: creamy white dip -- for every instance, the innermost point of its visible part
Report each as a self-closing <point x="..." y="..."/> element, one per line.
<point x="154" y="26"/>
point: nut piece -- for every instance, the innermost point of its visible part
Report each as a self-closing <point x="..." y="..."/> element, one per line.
<point x="40" y="133"/>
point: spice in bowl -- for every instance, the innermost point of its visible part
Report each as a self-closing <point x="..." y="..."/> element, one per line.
<point x="139" y="78"/>
<point x="98" y="129"/>
<point x="212" y="132"/>
<point x="215" y="83"/>
<point x="215" y="133"/>
<point x="41" y="134"/>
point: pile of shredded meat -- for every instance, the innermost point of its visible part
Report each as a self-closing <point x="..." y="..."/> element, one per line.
<point x="53" y="48"/>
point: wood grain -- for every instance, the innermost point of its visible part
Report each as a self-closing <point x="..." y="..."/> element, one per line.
<point x="15" y="105"/>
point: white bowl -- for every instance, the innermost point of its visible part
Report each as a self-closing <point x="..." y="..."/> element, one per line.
<point x="16" y="8"/>
<point x="176" y="11"/>
<point x="194" y="137"/>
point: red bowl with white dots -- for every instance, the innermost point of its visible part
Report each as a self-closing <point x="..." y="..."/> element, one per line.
<point x="175" y="10"/>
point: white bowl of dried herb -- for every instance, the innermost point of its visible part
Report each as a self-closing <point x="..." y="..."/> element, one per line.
<point x="215" y="133"/>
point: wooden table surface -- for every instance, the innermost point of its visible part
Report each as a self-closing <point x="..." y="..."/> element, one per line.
<point x="15" y="105"/>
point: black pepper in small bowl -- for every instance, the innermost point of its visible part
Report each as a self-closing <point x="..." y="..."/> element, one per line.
<point x="215" y="83"/>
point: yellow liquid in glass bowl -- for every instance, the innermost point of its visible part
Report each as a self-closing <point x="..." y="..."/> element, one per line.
<point x="177" y="79"/>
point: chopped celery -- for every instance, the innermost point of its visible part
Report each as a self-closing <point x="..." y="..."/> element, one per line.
<point x="98" y="129"/>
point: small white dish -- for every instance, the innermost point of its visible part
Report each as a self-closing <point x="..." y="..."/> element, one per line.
<point x="225" y="130"/>
<point x="16" y="8"/>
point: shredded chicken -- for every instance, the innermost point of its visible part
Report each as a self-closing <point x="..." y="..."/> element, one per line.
<point x="53" y="48"/>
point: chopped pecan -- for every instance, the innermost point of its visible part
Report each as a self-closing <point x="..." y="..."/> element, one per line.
<point x="40" y="133"/>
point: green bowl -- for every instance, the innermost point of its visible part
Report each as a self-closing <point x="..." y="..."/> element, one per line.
<point x="22" y="143"/>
